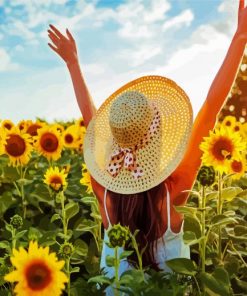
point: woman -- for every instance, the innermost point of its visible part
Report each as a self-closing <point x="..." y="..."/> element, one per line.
<point x="155" y="219"/>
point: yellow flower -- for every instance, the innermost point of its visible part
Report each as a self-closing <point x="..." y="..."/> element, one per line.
<point x="22" y="125"/>
<point x="38" y="273"/>
<point x="56" y="179"/>
<point x="85" y="180"/>
<point x="32" y="127"/>
<point x="237" y="127"/>
<point x="238" y="167"/>
<point x="229" y="121"/>
<point x="59" y="127"/>
<point x="2" y="140"/>
<point x="18" y="146"/>
<point x="71" y="136"/>
<point x="49" y="142"/>
<point x="7" y="124"/>
<point x="221" y="145"/>
<point x="80" y="122"/>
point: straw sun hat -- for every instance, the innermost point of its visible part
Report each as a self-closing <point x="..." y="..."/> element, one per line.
<point x="139" y="135"/>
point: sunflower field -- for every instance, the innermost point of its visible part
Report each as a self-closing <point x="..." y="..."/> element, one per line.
<point x="51" y="231"/>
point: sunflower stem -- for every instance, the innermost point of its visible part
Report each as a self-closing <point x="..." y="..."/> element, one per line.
<point x="64" y="216"/>
<point x="203" y="242"/>
<point x="68" y="273"/>
<point x="22" y="175"/>
<point x="219" y="212"/>
<point x="116" y="292"/>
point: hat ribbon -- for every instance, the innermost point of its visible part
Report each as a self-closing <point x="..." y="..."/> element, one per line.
<point x="126" y="156"/>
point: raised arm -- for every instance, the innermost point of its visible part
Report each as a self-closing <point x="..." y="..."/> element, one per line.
<point x="184" y="176"/>
<point x="65" y="47"/>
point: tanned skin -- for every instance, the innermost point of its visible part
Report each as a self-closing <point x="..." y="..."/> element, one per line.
<point x="183" y="177"/>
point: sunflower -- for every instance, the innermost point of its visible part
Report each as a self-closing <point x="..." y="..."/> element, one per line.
<point x="37" y="272"/>
<point x="2" y="140"/>
<point x="18" y="146"/>
<point x="221" y="145"/>
<point x="7" y="124"/>
<point x="49" y="142"/>
<point x="229" y="121"/>
<point x="32" y="127"/>
<point x="59" y="127"/>
<point x="238" y="167"/>
<point x="85" y="180"/>
<point x="237" y="127"/>
<point x="22" y="125"/>
<point x="80" y="122"/>
<point x="56" y="179"/>
<point x="71" y="136"/>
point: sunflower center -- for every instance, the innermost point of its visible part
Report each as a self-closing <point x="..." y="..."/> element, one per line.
<point x="237" y="166"/>
<point x="38" y="276"/>
<point x="8" y="126"/>
<point x="49" y="142"/>
<point x="56" y="180"/>
<point x="32" y="130"/>
<point x="68" y="138"/>
<point x="15" y="145"/>
<point x="236" y="128"/>
<point x="228" y="123"/>
<point x="222" y="149"/>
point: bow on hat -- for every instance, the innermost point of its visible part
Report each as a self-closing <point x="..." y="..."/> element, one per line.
<point x="126" y="156"/>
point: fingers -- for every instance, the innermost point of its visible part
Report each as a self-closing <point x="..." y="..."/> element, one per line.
<point x="241" y="5"/>
<point x="69" y="35"/>
<point x="56" y="31"/>
<point x="53" y="37"/>
<point x="53" y="47"/>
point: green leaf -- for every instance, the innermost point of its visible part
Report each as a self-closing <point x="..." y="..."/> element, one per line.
<point x="125" y="254"/>
<point x="190" y="239"/>
<point x="100" y="279"/>
<point x="216" y="283"/>
<point x="110" y="261"/>
<point x="182" y="265"/>
<point x="240" y="230"/>
<point x="212" y="195"/>
<point x="187" y="211"/>
<point x="222" y="220"/>
<point x="55" y="217"/>
<point x="20" y="234"/>
<point x="75" y="269"/>
<point x="5" y="245"/>
<point x="81" y="248"/>
<point x="230" y="193"/>
<point x="71" y="209"/>
<point x="24" y="182"/>
<point x="192" y="224"/>
<point x="6" y="201"/>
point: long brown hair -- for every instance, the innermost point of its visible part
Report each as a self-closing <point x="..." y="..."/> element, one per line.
<point x="138" y="211"/>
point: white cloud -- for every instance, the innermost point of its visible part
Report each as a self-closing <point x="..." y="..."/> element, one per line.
<point x="5" y="62"/>
<point x="140" y="55"/>
<point x="183" y="19"/>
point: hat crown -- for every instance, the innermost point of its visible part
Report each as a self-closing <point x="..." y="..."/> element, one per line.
<point x="130" y="117"/>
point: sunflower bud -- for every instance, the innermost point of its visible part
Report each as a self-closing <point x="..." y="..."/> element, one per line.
<point x="118" y="235"/>
<point x="66" y="250"/>
<point x="206" y="175"/>
<point x="16" y="221"/>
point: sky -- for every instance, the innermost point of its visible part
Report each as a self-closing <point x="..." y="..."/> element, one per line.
<point x="117" y="41"/>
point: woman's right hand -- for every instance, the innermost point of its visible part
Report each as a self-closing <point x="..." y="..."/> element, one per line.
<point x="65" y="47"/>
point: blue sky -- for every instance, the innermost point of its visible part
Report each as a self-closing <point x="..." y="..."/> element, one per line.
<point x="185" y="40"/>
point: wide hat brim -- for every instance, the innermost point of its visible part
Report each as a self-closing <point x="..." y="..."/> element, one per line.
<point x="160" y="157"/>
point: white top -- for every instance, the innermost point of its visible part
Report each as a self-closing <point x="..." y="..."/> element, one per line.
<point x="174" y="246"/>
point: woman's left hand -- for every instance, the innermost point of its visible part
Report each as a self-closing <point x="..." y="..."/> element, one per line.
<point x="242" y="20"/>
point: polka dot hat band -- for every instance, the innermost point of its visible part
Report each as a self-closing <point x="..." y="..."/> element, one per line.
<point x="139" y="135"/>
